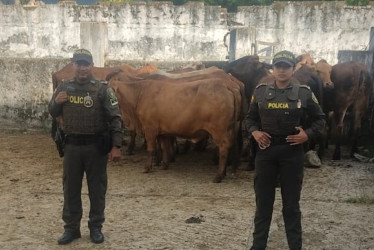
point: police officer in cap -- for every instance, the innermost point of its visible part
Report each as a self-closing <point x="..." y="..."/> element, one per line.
<point x="92" y="125"/>
<point x="274" y="120"/>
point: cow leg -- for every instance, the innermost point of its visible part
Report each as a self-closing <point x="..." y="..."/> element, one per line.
<point x="131" y="146"/>
<point x="358" y="114"/>
<point x="166" y="150"/>
<point x="184" y="147"/>
<point x="322" y="143"/>
<point x="356" y="136"/>
<point x="328" y="129"/>
<point x="158" y="151"/>
<point x="236" y="149"/>
<point x="202" y="144"/>
<point x="321" y="147"/>
<point x="245" y="152"/>
<point x="223" y="153"/>
<point x="151" y="143"/>
<point x="339" y="118"/>
<point x="171" y="147"/>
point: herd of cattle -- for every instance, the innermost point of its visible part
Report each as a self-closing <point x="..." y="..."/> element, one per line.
<point x="196" y="102"/>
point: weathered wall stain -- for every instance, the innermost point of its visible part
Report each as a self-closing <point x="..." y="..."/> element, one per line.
<point x="34" y="42"/>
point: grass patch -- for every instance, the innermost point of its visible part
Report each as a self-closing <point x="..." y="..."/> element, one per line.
<point x="361" y="200"/>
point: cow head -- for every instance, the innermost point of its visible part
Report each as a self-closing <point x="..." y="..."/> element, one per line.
<point x="323" y="70"/>
<point x="304" y="59"/>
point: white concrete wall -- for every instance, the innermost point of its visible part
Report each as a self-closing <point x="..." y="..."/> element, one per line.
<point x="160" y="31"/>
<point x="152" y="32"/>
<point x="37" y="40"/>
<point x="318" y="28"/>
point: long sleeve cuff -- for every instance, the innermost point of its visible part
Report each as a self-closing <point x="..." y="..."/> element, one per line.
<point x="251" y="129"/>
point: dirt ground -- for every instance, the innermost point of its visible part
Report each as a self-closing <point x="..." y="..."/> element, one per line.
<point x="179" y="208"/>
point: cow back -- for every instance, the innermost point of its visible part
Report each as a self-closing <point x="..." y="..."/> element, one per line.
<point x="249" y="71"/>
<point x="352" y="85"/>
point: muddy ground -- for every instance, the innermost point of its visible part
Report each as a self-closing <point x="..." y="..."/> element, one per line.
<point x="179" y="208"/>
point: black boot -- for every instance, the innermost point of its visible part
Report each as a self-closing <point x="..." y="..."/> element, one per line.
<point x="96" y="236"/>
<point x="68" y="236"/>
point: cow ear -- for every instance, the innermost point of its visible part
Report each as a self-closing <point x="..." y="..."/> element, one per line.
<point x="114" y="86"/>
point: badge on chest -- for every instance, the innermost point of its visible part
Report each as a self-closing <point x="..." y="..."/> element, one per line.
<point x="87" y="101"/>
<point x="277" y="105"/>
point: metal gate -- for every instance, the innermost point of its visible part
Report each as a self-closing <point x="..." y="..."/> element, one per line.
<point x="244" y="42"/>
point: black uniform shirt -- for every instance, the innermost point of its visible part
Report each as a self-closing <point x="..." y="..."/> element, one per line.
<point x="108" y="103"/>
<point x="279" y="111"/>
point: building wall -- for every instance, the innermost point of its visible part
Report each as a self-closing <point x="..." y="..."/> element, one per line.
<point x="318" y="28"/>
<point x="39" y="39"/>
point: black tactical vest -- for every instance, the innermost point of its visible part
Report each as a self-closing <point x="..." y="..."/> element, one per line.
<point x="281" y="110"/>
<point x="83" y="112"/>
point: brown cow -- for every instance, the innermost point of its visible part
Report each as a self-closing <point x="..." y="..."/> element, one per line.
<point x="323" y="70"/>
<point x="184" y="108"/>
<point x="352" y="89"/>
<point x="175" y="77"/>
<point x="249" y="71"/>
<point x="304" y="59"/>
<point x="188" y="68"/>
<point x="100" y="73"/>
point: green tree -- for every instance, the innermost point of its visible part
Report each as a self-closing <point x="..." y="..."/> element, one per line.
<point x="357" y="2"/>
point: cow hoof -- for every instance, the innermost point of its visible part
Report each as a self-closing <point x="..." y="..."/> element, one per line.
<point x="249" y="168"/>
<point x="164" y="166"/>
<point x="336" y="157"/>
<point x="146" y="170"/>
<point x="217" y="179"/>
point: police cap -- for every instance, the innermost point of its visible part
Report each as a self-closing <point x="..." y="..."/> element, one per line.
<point x="284" y="56"/>
<point x="82" y="55"/>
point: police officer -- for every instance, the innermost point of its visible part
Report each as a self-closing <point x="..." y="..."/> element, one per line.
<point x="92" y="125"/>
<point x="274" y="118"/>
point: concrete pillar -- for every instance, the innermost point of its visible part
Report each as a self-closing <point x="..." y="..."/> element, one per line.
<point x="242" y="42"/>
<point x="94" y="37"/>
<point x="371" y="41"/>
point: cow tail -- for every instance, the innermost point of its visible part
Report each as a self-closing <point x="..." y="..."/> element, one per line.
<point x="237" y="143"/>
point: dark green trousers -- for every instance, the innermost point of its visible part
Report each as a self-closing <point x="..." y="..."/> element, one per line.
<point x="80" y="159"/>
<point x="287" y="162"/>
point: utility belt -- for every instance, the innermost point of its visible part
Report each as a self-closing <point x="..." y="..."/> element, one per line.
<point x="278" y="140"/>
<point x="82" y="139"/>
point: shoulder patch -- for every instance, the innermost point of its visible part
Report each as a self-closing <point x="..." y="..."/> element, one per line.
<point x="112" y="97"/>
<point x="305" y="86"/>
<point x="96" y="81"/>
<point x="261" y="84"/>
<point x="314" y="98"/>
<point x="67" y="80"/>
<point x="252" y="98"/>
